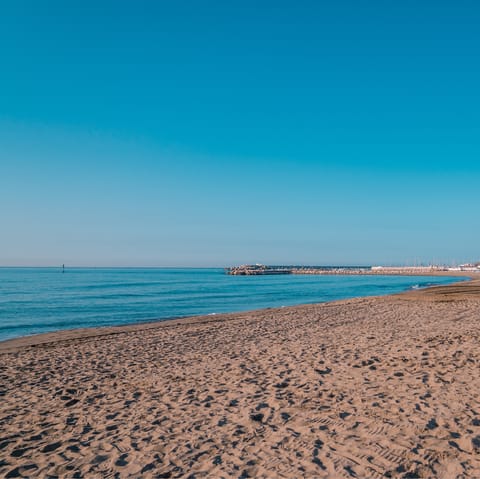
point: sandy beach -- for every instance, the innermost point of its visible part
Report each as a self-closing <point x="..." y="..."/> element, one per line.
<point x="366" y="388"/>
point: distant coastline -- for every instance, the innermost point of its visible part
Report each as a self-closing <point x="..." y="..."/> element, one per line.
<point x="434" y="270"/>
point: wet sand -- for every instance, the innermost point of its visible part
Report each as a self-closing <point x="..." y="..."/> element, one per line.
<point x="366" y="388"/>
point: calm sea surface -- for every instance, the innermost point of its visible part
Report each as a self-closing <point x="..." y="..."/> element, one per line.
<point x="38" y="300"/>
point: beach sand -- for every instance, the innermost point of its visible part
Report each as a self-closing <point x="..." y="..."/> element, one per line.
<point x="366" y="388"/>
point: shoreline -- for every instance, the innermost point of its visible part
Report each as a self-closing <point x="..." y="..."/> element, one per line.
<point x="38" y="339"/>
<point x="383" y="386"/>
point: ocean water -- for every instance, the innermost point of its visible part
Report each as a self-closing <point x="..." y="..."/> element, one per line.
<point x="39" y="300"/>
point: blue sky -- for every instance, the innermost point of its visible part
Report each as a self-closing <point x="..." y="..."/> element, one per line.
<point x="213" y="133"/>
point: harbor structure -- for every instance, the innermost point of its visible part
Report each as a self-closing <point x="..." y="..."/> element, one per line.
<point x="261" y="269"/>
<point x="256" y="269"/>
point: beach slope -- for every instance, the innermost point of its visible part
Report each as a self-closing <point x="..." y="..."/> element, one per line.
<point x="366" y="388"/>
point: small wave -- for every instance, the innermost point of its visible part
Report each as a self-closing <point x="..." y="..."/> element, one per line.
<point x="427" y="284"/>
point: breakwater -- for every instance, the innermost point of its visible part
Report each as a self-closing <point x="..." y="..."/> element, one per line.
<point x="258" y="269"/>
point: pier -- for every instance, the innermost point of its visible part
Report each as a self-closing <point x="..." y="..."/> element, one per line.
<point x="257" y="269"/>
<point x="260" y="269"/>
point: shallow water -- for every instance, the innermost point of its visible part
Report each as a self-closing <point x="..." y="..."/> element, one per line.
<point x="38" y="300"/>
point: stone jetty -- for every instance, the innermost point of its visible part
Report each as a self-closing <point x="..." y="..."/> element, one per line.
<point x="260" y="269"/>
<point x="257" y="269"/>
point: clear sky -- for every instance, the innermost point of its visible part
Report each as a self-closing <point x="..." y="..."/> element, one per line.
<point x="157" y="133"/>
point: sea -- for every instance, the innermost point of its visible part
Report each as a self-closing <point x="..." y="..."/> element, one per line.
<point x="40" y="300"/>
